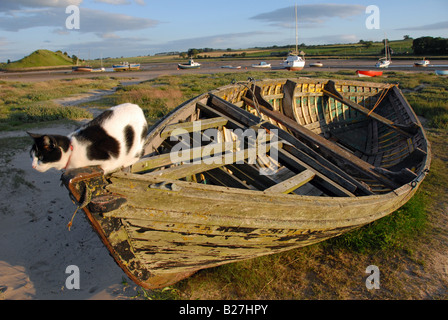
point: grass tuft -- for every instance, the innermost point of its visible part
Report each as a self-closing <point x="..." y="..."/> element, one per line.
<point x="389" y="233"/>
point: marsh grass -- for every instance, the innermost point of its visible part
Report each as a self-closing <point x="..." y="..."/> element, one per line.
<point x="389" y="233"/>
<point x="24" y="103"/>
<point x="47" y="112"/>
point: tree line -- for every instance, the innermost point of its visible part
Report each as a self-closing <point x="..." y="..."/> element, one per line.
<point x="430" y="45"/>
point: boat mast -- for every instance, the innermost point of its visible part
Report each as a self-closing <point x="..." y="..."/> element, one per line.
<point x="297" y="33"/>
<point x="387" y="55"/>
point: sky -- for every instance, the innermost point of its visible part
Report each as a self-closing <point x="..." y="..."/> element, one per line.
<point x="126" y="28"/>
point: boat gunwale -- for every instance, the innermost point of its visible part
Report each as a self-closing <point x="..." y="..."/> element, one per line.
<point x="160" y="125"/>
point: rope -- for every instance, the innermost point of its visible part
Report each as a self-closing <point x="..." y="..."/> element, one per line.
<point x="382" y="95"/>
<point x="85" y="202"/>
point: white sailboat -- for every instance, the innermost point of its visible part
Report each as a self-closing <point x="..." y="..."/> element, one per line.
<point x="294" y="62"/>
<point x="386" y="60"/>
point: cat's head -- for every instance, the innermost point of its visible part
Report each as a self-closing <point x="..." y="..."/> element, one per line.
<point x="49" y="151"/>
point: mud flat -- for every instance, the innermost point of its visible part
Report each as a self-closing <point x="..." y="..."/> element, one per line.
<point x="36" y="245"/>
<point x="151" y="71"/>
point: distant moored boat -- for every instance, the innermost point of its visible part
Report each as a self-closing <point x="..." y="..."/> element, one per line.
<point x="442" y="72"/>
<point x="190" y="65"/>
<point x="262" y="64"/>
<point x="369" y="73"/>
<point x="82" y="69"/>
<point x="124" y="66"/>
<point x="422" y="63"/>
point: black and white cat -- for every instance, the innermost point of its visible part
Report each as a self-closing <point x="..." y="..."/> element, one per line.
<point x="112" y="140"/>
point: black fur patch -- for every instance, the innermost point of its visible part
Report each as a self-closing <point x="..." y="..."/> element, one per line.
<point x="102" y="146"/>
<point x="129" y="137"/>
<point x="99" y="120"/>
<point x="144" y="132"/>
<point x="46" y="147"/>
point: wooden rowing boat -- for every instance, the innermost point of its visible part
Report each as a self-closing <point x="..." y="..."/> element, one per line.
<point x="330" y="156"/>
<point x="82" y="69"/>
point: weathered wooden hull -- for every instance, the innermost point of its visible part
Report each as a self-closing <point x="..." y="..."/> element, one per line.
<point x="163" y="225"/>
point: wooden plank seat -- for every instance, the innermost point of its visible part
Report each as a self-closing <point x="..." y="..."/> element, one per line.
<point x="300" y="150"/>
<point x="325" y="177"/>
<point x="407" y="131"/>
<point x="331" y="148"/>
<point x="194" y="126"/>
<point x="188" y="169"/>
<point x="291" y="184"/>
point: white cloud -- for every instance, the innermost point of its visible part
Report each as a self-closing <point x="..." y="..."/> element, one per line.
<point x="109" y="35"/>
<point x="310" y="14"/>
<point x="432" y="26"/>
<point x="6" y="5"/>
<point x="94" y="21"/>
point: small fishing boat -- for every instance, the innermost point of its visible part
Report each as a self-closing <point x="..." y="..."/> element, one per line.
<point x="134" y="66"/>
<point x="422" y="63"/>
<point x="386" y="60"/>
<point x="126" y="66"/>
<point x="383" y="63"/>
<point x="82" y="69"/>
<point x="255" y="168"/>
<point x="442" y="72"/>
<point x="316" y="64"/>
<point x="369" y="73"/>
<point x="262" y="64"/>
<point x="231" y="67"/>
<point x="190" y="65"/>
<point x="294" y="62"/>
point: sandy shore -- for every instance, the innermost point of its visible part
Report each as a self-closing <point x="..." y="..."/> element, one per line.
<point x="36" y="245"/>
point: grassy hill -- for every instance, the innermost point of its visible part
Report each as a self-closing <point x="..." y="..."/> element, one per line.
<point x="39" y="58"/>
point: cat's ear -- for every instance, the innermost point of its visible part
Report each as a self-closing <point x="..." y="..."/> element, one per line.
<point x="49" y="142"/>
<point x="34" y="135"/>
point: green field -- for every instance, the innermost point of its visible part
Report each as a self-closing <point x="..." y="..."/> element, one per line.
<point x="402" y="49"/>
